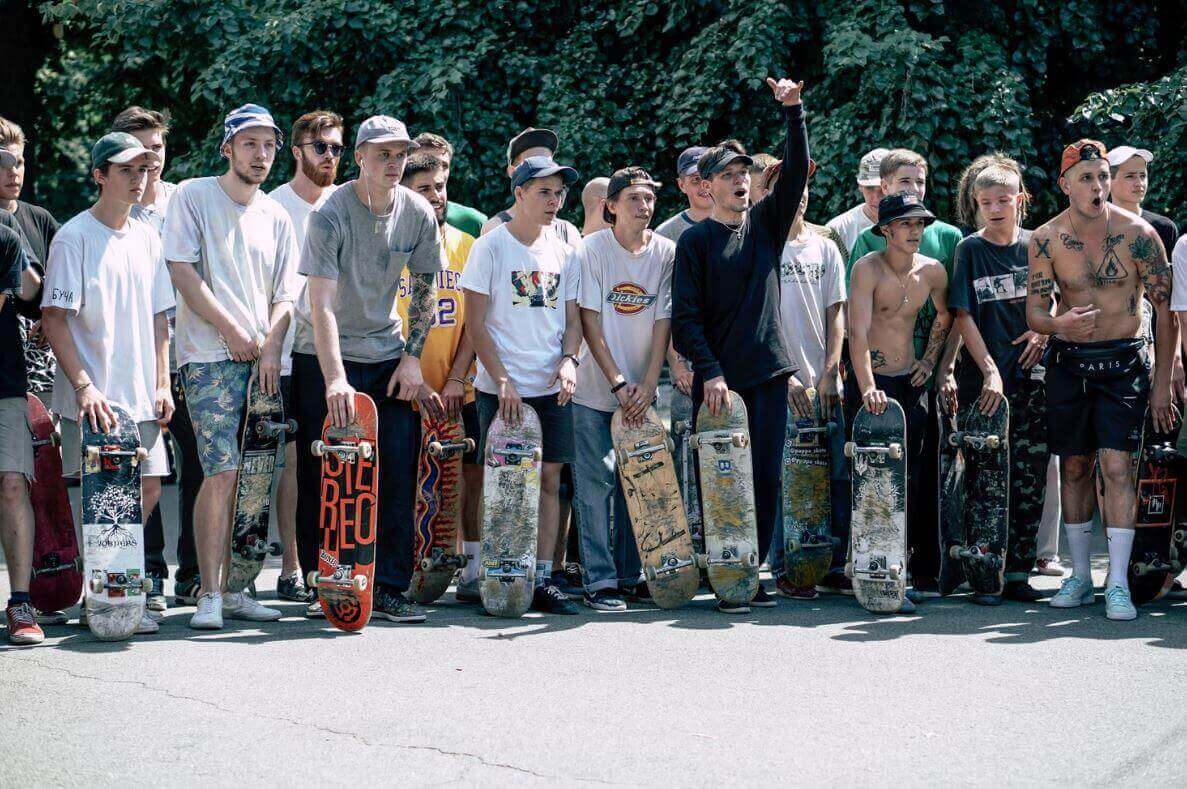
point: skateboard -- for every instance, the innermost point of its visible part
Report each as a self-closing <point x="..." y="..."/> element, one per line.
<point x="1161" y="517"/>
<point x="648" y="476"/>
<point x="349" y="485"/>
<point x="56" y="581"/>
<point x="807" y="506"/>
<point x="680" y="415"/>
<point x="263" y="435"/>
<point x="878" y="546"/>
<point x="951" y="503"/>
<point x="113" y="527"/>
<point x="727" y="489"/>
<point x="510" y="514"/>
<point x="438" y="510"/>
<point x="985" y="511"/>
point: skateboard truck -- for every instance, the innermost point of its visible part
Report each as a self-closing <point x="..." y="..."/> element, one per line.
<point x="514" y="454"/>
<point x="259" y="549"/>
<point x="55" y="565"/>
<point x="438" y="561"/>
<point x="810" y="542"/>
<point x="669" y="563"/>
<point x="1163" y="453"/>
<point x="344" y="452"/>
<point x="975" y="441"/>
<point x="440" y="448"/>
<point x="730" y="555"/>
<point x="1153" y="564"/>
<point x="875" y="570"/>
<point x="719" y="438"/>
<point x="508" y="572"/>
<point x="266" y="427"/>
<point x="894" y="450"/>
<point x="122" y="581"/>
<point x="974" y="554"/>
<point x="340" y="581"/>
<point x="138" y="455"/>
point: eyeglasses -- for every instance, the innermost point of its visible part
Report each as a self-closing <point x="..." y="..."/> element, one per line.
<point x="321" y="146"/>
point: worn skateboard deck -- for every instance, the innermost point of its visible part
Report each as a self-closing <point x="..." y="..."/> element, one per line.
<point x="1161" y="517"/>
<point x="653" y="500"/>
<point x="951" y="503"/>
<point x="727" y="496"/>
<point x="56" y="581"/>
<point x="438" y="511"/>
<point x="807" y="506"/>
<point x="113" y="528"/>
<point x="510" y="514"/>
<point x="680" y="416"/>
<point x="985" y="515"/>
<point x="262" y="437"/>
<point x="349" y="486"/>
<point x="878" y="545"/>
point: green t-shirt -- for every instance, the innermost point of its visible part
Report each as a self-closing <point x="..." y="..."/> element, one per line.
<point x="466" y="219"/>
<point x="939" y="242"/>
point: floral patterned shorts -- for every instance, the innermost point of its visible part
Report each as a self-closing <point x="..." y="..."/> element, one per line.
<point x="216" y="396"/>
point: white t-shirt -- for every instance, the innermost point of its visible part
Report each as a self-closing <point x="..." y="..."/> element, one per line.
<point x="245" y="254"/>
<point x="1179" y="271"/>
<point x="298" y="210"/>
<point x="528" y="288"/>
<point x="631" y="291"/>
<point x="812" y="276"/>
<point x="112" y="284"/>
<point x="155" y="212"/>
<point x="850" y="224"/>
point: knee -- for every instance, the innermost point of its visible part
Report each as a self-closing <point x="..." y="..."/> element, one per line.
<point x="13" y="489"/>
<point x="1076" y="471"/>
<point x="220" y="484"/>
<point x="550" y="479"/>
<point x="1116" y="470"/>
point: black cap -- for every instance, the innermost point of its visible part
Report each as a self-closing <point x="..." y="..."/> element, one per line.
<point x="541" y="167"/>
<point x="531" y="138"/>
<point x="718" y="158"/>
<point x="901" y="205"/>
<point x="629" y="176"/>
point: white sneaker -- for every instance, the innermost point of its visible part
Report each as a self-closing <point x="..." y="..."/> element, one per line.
<point x="238" y="605"/>
<point x="209" y="615"/>
<point x="147" y="626"/>
<point x="1051" y="567"/>
<point x="314" y="610"/>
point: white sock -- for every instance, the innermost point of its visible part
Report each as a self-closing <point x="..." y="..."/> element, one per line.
<point x="1120" y="546"/>
<point x="543" y="571"/>
<point x="472" y="551"/>
<point x="1079" y="542"/>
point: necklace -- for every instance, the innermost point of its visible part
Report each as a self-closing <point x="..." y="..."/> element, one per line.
<point x="902" y="281"/>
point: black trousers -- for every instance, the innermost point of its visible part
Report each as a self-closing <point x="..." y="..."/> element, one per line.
<point x="766" y="412"/>
<point x="189" y="480"/>
<point x="398" y="439"/>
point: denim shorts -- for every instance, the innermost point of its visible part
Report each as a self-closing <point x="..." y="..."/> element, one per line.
<point x="556" y="424"/>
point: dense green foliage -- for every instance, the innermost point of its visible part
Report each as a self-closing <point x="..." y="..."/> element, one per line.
<point x="634" y="82"/>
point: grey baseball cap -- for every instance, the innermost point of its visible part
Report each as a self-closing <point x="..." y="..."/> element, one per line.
<point x="868" y="173"/>
<point x="7" y="158"/>
<point x="118" y="148"/>
<point x="383" y="128"/>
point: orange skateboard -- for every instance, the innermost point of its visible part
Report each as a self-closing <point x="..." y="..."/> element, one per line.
<point x="349" y="482"/>
<point x="438" y="512"/>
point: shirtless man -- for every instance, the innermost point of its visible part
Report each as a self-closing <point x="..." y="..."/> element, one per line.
<point x="889" y="288"/>
<point x="1103" y="259"/>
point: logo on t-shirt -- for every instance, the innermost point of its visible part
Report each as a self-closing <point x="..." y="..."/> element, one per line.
<point x="535" y="288"/>
<point x="802" y="271"/>
<point x="629" y="299"/>
<point x="1001" y="287"/>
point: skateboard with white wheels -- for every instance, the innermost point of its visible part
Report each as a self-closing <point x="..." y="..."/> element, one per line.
<point x="437" y="514"/>
<point x="1161" y="517"/>
<point x="983" y="442"/>
<point x="113" y="527"/>
<point x="878" y="541"/>
<point x="806" y="491"/>
<point x="680" y="416"/>
<point x="349" y="485"/>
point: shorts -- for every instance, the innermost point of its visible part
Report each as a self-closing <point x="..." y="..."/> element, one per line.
<point x="216" y="396"/>
<point x="556" y="424"/>
<point x="1097" y="394"/>
<point x="16" y="438"/>
<point x="151" y="439"/>
<point x="470" y="425"/>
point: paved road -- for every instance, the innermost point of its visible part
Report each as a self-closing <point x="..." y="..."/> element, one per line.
<point x="806" y="693"/>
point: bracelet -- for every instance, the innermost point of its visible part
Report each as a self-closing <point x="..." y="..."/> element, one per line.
<point x="614" y="389"/>
<point x="459" y="380"/>
<point x="81" y="386"/>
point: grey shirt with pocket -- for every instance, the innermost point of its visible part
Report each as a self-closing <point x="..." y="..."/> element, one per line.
<point x="366" y="254"/>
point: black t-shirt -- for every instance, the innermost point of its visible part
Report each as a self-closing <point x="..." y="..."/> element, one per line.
<point x="1165" y="229"/>
<point x="989" y="283"/>
<point x="39" y="227"/>
<point x="13" y="260"/>
<point x="725" y="289"/>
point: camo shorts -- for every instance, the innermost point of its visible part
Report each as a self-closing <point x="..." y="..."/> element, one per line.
<point x="216" y="396"/>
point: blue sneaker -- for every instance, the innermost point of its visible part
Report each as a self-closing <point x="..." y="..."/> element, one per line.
<point x="1118" y="604"/>
<point x="1073" y="593"/>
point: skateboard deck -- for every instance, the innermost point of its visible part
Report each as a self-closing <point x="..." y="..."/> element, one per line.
<point x="951" y="503"/>
<point x="727" y="492"/>
<point x="263" y="436"/>
<point x="985" y="515"/>
<point x="680" y="416"/>
<point x="438" y="511"/>
<point x="349" y="485"/>
<point x="510" y="514"/>
<point x="1161" y="517"/>
<point x="807" y="505"/>
<point x="113" y="528"/>
<point x="878" y="546"/>
<point x="653" y="499"/>
<point x="56" y="582"/>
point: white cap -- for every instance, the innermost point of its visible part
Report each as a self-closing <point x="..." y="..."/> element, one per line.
<point x="1123" y="153"/>
<point x="868" y="171"/>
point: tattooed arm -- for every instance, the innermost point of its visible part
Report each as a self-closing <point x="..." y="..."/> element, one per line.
<point x="1040" y="290"/>
<point x="407" y="382"/>
<point x="1150" y="258"/>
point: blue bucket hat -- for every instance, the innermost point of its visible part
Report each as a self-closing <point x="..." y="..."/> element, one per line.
<point x="250" y="116"/>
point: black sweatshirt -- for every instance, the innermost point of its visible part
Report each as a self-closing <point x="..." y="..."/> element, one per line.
<point x="725" y="289"/>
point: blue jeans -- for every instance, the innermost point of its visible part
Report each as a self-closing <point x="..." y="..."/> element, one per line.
<point x="842" y="502"/>
<point x="606" y="561"/>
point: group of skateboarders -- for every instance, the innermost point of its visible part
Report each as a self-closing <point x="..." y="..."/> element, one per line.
<point x="170" y="299"/>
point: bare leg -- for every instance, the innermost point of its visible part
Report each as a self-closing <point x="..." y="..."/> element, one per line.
<point x="286" y="511"/>
<point x="1120" y="491"/>
<point x="212" y="529"/>
<point x="1077" y="493"/>
<point x="150" y="494"/>
<point x="550" y="481"/>
<point x="471" y="499"/>
<point x="16" y="529"/>
<point x="564" y="518"/>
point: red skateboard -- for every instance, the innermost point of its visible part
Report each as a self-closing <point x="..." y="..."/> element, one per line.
<point x="349" y="482"/>
<point x="438" y="512"/>
<point x="57" y="568"/>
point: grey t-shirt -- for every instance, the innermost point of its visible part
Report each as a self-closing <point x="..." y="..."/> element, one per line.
<point x="674" y="227"/>
<point x="366" y="254"/>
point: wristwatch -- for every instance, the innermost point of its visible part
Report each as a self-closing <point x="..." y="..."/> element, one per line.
<point x="574" y="358"/>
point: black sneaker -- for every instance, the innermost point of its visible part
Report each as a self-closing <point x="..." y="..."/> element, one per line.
<point x="987" y="599"/>
<point x="549" y="599"/>
<point x="569" y="580"/>
<point x="762" y="599"/>
<point x="732" y="608"/>
<point x="835" y="582"/>
<point x="639" y="593"/>
<point x="396" y="607"/>
<point x="186" y="592"/>
<point x="1022" y="592"/>
<point x="155" y="600"/>
<point x="604" y="600"/>
<point x="925" y="589"/>
<point x="292" y="587"/>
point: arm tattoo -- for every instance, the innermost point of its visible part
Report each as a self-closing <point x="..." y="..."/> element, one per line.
<point x="1156" y="274"/>
<point x="421" y="311"/>
<point x="1042" y="247"/>
<point x="877" y="360"/>
<point x="935" y="341"/>
<point x="1042" y="286"/>
<point x="1133" y="304"/>
<point x="1071" y="243"/>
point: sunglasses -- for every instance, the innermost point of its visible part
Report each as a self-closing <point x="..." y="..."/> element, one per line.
<point x="321" y="146"/>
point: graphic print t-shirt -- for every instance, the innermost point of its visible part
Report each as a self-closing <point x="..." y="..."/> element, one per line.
<point x="631" y="291"/>
<point x="989" y="282"/>
<point x="527" y="287"/>
<point x="812" y="277"/>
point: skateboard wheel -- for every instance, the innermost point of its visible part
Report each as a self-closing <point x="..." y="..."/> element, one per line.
<point x="92" y="454"/>
<point x="359" y="583"/>
<point x="848" y="569"/>
<point x="470" y="445"/>
<point x="894" y="572"/>
<point x="311" y="580"/>
<point x="669" y="443"/>
<point x="702" y="560"/>
<point x="290" y="425"/>
<point x="1140" y="569"/>
<point x="435" y="448"/>
<point x="740" y="439"/>
<point x="426" y="564"/>
<point x="954" y="552"/>
<point x="793" y="545"/>
<point x="96" y="585"/>
<point x="1179" y="535"/>
<point x="993" y="442"/>
<point x="678" y="427"/>
<point x="895" y="451"/>
<point x="850" y="449"/>
<point x="317" y="448"/>
<point x="140" y="456"/>
<point x="649" y="573"/>
<point x="831" y="428"/>
<point x="537" y="454"/>
<point x="366" y="450"/>
<point x="146" y="585"/>
<point x="750" y="560"/>
<point x="275" y="548"/>
<point x="810" y="392"/>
